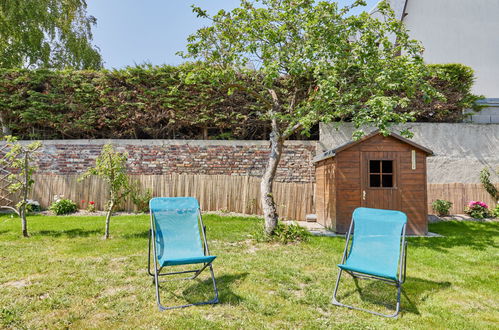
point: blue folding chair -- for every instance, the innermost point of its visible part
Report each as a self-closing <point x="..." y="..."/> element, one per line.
<point x="378" y="250"/>
<point x="175" y="238"/>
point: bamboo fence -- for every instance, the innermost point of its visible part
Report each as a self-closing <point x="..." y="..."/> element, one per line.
<point x="239" y="194"/>
<point x="215" y="192"/>
<point x="460" y="194"/>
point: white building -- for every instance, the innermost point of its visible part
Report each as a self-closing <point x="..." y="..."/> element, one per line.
<point x="459" y="31"/>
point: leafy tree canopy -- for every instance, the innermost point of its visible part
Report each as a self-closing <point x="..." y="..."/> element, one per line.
<point x="47" y="33"/>
<point x="353" y="68"/>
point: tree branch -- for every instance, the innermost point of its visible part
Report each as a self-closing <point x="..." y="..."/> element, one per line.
<point x="251" y="92"/>
<point x="10" y="208"/>
<point x="290" y="130"/>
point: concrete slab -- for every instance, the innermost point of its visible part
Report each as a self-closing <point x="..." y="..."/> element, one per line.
<point x="316" y="229"/>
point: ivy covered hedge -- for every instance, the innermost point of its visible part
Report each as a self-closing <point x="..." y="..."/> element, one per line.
<point x="162" y="103"/>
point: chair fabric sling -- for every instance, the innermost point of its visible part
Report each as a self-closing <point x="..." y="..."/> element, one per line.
<point x="378" y="249"/>
<point x="178" y="240"/>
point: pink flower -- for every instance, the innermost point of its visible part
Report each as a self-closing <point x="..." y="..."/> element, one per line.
<point x="472" y="204"/>
<point x="83" y="201"/>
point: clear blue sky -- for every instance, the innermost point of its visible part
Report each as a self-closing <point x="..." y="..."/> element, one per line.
<point x="132" y="32"/>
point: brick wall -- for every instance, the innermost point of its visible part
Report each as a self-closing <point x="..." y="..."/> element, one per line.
<point x="66" y="157"/>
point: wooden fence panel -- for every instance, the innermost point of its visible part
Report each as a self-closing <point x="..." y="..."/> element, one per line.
<point x="230" y="193"/>
<point x="460" y="194"/>
<point x="215" y="192"/>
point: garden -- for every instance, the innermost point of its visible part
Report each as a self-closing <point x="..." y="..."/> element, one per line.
<point x="66" y="276"/>
<point x="268" y="70"/>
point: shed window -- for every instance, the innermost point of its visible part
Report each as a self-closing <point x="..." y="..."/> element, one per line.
<point x="381" y="173"/>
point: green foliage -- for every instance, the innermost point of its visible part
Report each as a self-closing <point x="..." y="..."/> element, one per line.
<point x="477" y="210"/>
<point x="488" y="185"/>
<point x="316" y="62"/>
<point x="17" y="161"/>
<point x="140" y="199"/>
<point x="90" y="206"/>
<point x="495" y="211"/>
<point x="454" y="81"/>
<point x="139" y="102"/>
<point x="32" y="206"/>
<point x="284" y="234"/>
<point x="63" y="206"/>
<point x="110" y="165"/>
<point x="46" y="33"/>
<point x="164" y="103"/>
<point x="442" y="207"/>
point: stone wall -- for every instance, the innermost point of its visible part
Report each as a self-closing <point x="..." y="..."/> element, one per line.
<point x="157" y="157"/>
<point x="461" y="150"/>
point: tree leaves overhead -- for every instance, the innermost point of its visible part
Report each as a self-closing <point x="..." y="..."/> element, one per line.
<point x="352" y="66"/>
<point x="47" y="33"/>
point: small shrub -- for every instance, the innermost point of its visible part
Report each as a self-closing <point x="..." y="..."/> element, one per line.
<point x="477" y="210"/>
<point x="284" y="234"/>
<point x="141" y="199"/>
<point x="63" y="206"/>
<point x="495" y="212"/>
<point x="90" y="206"/>
<point x="32" y="206"/>
<point x="442" y="207"/>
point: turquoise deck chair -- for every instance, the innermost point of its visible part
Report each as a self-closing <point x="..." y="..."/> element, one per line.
<point x="175" y="239"/>
<point x="377" y="251"/>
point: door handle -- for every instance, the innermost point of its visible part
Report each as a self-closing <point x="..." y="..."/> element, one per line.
<point x="364" y="195"/>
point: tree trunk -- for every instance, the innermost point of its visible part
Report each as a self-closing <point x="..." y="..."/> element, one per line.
<point x="5" y="129"/>
<point x="108" y="219"/>
<point x="25" y="196"/>
<point x="23" y="221"/>
<point x="267" y="198"/>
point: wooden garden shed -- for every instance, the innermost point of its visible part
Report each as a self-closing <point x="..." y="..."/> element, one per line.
<point x="375" y="171"/>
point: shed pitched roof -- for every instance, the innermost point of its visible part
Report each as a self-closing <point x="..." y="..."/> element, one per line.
<point x="332" y="152"/>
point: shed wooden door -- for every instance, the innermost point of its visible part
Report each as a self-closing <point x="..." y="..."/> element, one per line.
<point x="380" y="180"/>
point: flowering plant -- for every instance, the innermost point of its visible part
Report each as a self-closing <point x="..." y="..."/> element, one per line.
<point x="477" y="209"/>
<point x="90" y="206"/>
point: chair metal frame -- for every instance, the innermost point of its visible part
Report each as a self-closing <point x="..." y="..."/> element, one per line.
<point x="157" y="270"/>
<point x="398" y="283"/>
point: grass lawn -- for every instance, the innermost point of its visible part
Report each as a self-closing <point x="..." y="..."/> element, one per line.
<point x="66" y="276"/>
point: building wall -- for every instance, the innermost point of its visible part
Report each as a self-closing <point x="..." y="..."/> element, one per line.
<point x="461" y="150"/>
<point x="487" y="115"/>
<point x="159" y="157"/>
<point x="459" y="31"/>
<point x="325" y="193"/>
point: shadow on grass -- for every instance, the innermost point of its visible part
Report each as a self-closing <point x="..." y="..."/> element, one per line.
<point x="143" y="234"/>
<point x="71" y="233"/>
<point x="202" y="290"/>
<point x="414" y="291"/>
<point x="475" y="235"/>
<point x="224" y="285"/>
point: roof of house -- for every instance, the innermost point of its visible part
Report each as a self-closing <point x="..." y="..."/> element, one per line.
<point x="332" y="152"/>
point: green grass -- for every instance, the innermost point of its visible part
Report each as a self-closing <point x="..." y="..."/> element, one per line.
<point x="66" y="276"/>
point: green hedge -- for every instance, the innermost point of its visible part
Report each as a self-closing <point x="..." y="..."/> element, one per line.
<point x="159" y="102"/>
